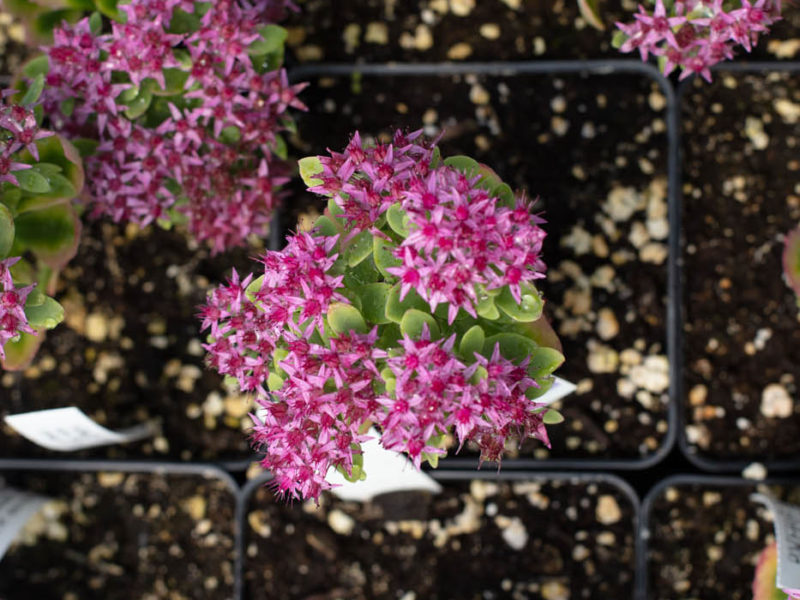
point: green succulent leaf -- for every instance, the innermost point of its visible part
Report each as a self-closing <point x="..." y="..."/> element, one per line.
<point x="34" y="90"/>
<point x="618" y="39"/>
<point x="359" y="248"/>
<point x="544" y="361"/>
<point x="30" y="180"/>
<point x="513" y="346"/>
<point x="413" y="322"/>
<point x="383" y="254"/>
<point x="325" y="226"/>
<point x="472" y="342"/>
<point x="591" y="14"/>
<point x="39" y="65"/>
<point x="274" y="382"/>
<point x="529" y="310"/>
<point x="19" y="353"/>
<point x="273" y="38"/>
<point x="344" y="318"/>
<point x="397" y="219"/>
<point x="373" y="302"/>
<point x="35" y="298"/>
<point x="174" y="80"/>
<point x="51" y="233"/>
<point x="6" y="231"/>
<point x="46" y="315"/>
<point x="396" y="309"/>
<point x="487" y="309"/>
<point x="309" y="167"/>
<point x="139" y="104"/>
<point x="552" y="417"/>
<point x="96" y="23"/>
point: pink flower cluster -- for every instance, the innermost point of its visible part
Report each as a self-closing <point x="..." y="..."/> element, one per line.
<point x="697" y="34"/>
<point x="12" y="306"/>
<point x="320" y="391"/>
<point x="18" y="130"/>
<point x="225" y="187"/>
<point x="461" y="239"/>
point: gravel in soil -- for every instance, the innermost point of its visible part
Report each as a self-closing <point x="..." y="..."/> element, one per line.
<point x="130" y="349"/>
<point x="476" y="540"/>
<point x="479" y="30"/>
<point x="742" y="325"/>
<point x="705" y="540"/>
<point x="117" y="536"/>
<point x="593" y="148"/>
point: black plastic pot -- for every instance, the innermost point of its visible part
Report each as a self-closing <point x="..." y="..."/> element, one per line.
<point x="313" y="542"/>
<point x="15" y="471"/>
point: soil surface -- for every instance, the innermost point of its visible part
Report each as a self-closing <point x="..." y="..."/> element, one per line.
<point x="705" y="541"/>
<point x="130" y="348"/>
<point x="593" y="148"/>
<point x="477" y="30"/>
<point x="742" y="324"/>
<point x="116" y="536"/>
<point x="475" y="540"/>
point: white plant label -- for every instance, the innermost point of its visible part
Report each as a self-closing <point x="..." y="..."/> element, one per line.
<point x="559" y="389"/>
<point x="69" y="429"/>
<point x="387" y="471"/>
<point x="787" y="536"/>
<point x="16" y="507"/>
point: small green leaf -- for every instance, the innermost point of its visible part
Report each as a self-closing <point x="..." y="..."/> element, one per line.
<point x="6" y="231"/>
<point x="50" y="232"/>
<point x="436" y="158"/>
<point x="279" y="148"/>
<point x="309" y="167"/>
<point x="39" y="65"/>
<point x="174" y="80"/>
<point x="273" y="37"/>
<point x="85" y="146"/>
<point x="397" y="219"/>
<point x="278" y="355"/>
<point x="472" y="342"/>
<point x="183" y="22"/>
<point x="32" y="181"/>
<point x="513" y="346"/>
<point x="373" y="302"/>
<point x="334" y="210"/>
<point x="362" y="274"/>
<point x="141" y="102"/>
<point x="253" y="288"/>
<point x="344" y="318"/>
<point x="552" y="417"/>
<point x="396" y="309"/>
<point x="230" y="135"/>
<point x="413" y="322"/>
<point x="528" y="310"/>
<point x="469" y="166"/>
<point x="618" y="39"/>
<point x="48" y="314"/>
<point x="274" y="382"/>
<point x="590" y="13"/>
<point x="19" y="353"/>
<point x="35" y="298"/>
<point x="383" y="255"/>
<point x="325" y="226"/>
<point x="359" y="248"/>
<point x="61" y="190"/>
<point x="544" y="361"/>
<point x="487" y="309"/>
<point x="95" y="23"/>
<point x="109" y="9"/>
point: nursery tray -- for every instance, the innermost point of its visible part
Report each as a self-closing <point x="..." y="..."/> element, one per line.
<point x="165" y="527"/>
<point x="705" y="563"/>
<point x="741" y="331"/>
<point x="513" y="529"/>
<point x="596" y="142"/>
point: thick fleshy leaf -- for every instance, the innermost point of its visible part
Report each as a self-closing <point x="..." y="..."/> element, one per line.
<point x="513" y="346"/>
<point x="552" y="417"/>
<point x="544" y="386"/>
<point x="253" y="288"/>
<point x="325" y="226"/>
<point x="274" y="382"/>
<point x="383" y="254"/>
<point x="61" y="190"/>
<point x="30" y="180"/>
<point x="541" y="332"/>
<point x="52" y="234"/>
<point x="791" y="260"/>
<point x="175" y="80"/>
<point x="396" y="309"/>
<point x="39" y="65"/>
<point x="272" y="40"/>
<point x="472" y="342"/>
<point x="6" y="231"/>
<point x="526" y="311"/>
<point x="544" y="361"/>
<point x="278" y="355"/>
<point x="34" y="90"/>
<point x="46" y="315"/>
<point x="589" y="11"/>
<point x="138" y="103"/>
<point x="373" y="302"/>
<point x="109" y="9"/>
<point x="413" y="322"/>
<point x="397" y="219"/>
<point x="60" y="152"/>
<point x="344" y="318"/>
<point x="20" y="353"/>
<point x="487" y="309"/>
<point x="764" y="582"/>
<point x="359" y="248"/>
<point x="309" y="167"/>
<point x="35" y="298"/>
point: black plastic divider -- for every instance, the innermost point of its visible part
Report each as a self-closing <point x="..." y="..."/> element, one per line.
<point x="207" y="470"/>
<point x="444" y="476"/>
<point x="682" y="480"/>
<point x="713" y="465"/>
<point x="672" y="334"/>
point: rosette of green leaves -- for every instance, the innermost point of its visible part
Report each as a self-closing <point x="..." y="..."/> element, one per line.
<point x="39" y="223"/>
<point x="521" y="329"/>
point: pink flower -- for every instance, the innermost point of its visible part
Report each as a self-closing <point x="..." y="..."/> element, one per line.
<point x="697" y="34"/>
<point x="13" y="320"/>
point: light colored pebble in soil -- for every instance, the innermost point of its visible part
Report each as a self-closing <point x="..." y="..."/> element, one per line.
<point x="776" y="402"/>
<point x="491" y="31"/>
<point x="578" y="239"/>
<point x="479" y="95"/>
<point x="555" y="590"/>
<point x="698" y="394"/>
<point x="754" y="130"/>
<point x="459" y="51"/>
<point x="462" y="8"/>
<point x="607" y="324"/>
<point x="340" y="522"/>
<point x="607" y="511"/>
<point x="96" y="327"/>
<point x="515" y="534"/>
<point x="654" y="253"/>
<point x="377" y="33"/>
<point x="622" y="202"/>
<point x="602" y="358"/>
<point x="652" y="374"/>
<point x="788" y="110"/>
<point x="755" y="471"/>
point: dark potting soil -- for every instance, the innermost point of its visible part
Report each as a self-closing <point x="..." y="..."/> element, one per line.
<point x="479" y="30"/>
<point x="742" y="324"/>
<point x="593" y="148"/>
<point x="116" y="536"/>
<point x="705" y="540"/>
<point x="477" y="540"/>
<point x="130" y="348"/>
